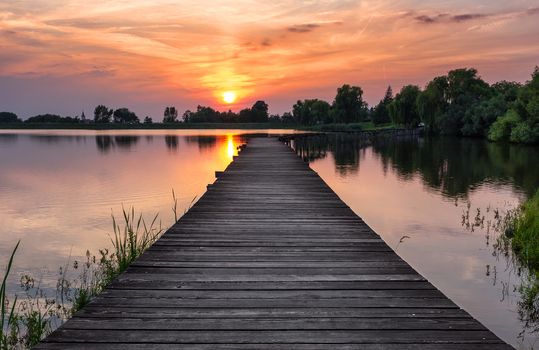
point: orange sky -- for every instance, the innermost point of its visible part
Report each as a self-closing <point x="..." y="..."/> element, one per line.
<point x="66" y="56"/>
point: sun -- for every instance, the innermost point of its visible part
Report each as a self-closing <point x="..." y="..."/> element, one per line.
<point x="229" y="97"/>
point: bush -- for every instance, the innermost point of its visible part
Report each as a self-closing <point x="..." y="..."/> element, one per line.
<point x="526" y="236"/>
<point x="524" y="133"/>
<point x="8" y="117"/>
<point x="502" y="127"/>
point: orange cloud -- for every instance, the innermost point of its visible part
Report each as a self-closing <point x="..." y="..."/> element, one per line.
<point x="148" y="54"/>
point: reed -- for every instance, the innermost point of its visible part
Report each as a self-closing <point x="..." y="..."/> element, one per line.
<point x="25" y="321"/>
<point x="7" y="312"/>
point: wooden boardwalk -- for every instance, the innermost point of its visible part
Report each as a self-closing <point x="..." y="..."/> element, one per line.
<point x="271" y="258"/>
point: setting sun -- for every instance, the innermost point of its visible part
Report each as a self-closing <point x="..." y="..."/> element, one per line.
<point x="229" y="96"/>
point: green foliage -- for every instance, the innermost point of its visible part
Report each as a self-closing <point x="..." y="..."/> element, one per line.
<point x="432" y="103"/>
<point x="124" y="115"/>
<point x="525" y="241"/>
<point x="129" y="242"/>
<point x="102" y="114"/>
<point x="259" y="112"/>
<point x="170" y="115"/>
<point x="348" y="106"/>
<point x="380" y="113"/>
<point x="521" y="123"/>
<point x="478" y="119"/>
<point x="25" y="322"/>
<point x="8" y="117"/>
<point x="51" y="118"/>
<point x="501" y="129"/>
<point x="148" y="120"/>
<point x="311" y="112"/>
<point x="403" y="109"/>
<point x="446" y="100"/>
<point x="8" y="320"/>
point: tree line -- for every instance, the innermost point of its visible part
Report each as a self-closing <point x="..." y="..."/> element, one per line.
<point x="458" y="103"/>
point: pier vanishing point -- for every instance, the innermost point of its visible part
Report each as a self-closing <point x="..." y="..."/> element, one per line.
<point x="271" y="258"/>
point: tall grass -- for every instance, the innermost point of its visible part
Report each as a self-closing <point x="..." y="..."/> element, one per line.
<point x="7" y="312"/>
<point x="524" y="234"/>
<point x="25" y="321"/>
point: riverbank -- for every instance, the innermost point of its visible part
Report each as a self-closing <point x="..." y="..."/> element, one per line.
<point x="153" y="126"/>
<point x="351" y="127"/>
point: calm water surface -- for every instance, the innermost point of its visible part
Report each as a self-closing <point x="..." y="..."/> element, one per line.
<point x="420" y="189"/>
<point x="58" y="188"/>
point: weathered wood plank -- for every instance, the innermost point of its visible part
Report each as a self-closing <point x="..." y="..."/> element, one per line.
<point x="270" y="258"/>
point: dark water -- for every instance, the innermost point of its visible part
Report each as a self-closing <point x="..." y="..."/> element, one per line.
<point x="423" y="195"/>
<point x="58" y="188"/>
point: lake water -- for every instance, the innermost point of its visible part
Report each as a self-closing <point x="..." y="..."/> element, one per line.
<point x="58" y="188"/>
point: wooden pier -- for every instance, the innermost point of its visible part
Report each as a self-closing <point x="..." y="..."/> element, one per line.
<point x="271" y="258"/>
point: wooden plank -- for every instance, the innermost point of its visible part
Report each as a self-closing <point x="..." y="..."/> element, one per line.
<point x="270" y="258"/>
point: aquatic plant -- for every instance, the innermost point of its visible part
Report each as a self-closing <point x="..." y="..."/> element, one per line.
<point x="517" y="240"/>
<point x="25" y="321"/>
<point x="524" y="233"/>
<point x="7" y="311"/>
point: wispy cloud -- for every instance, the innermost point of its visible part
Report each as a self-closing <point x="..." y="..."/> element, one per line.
<point x="149" y="52"/>
<point x="303" y="28"/>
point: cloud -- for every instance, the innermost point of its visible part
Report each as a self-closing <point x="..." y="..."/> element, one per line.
<point x="430" y="19"/>
<point x="303" y="28"/>
<point x="266" y="42"/>
<point x="446" y="18"/>
<point x="467" y="17"/>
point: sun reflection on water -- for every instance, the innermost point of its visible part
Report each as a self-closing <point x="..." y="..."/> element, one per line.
<point x="230" y="146"/>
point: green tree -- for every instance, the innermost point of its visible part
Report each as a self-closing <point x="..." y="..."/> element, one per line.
<point x="380" y="113"/>
<point x="204" y="114"/>
<point x="8" y="117"/>
<point x="245" y="115"/>
<point x="287" y="118"/>
<point x="259" y="112"/>
<point x="432" y="103"/>
<point x="465" y="89"/>
<point x="348" y="106"/>
<point x="148" y="120"/>
<point x="521" y="122"/>
<point x="311" y="112"/>
<point x="125" y="116"/>
<point x="403" y="109"/>
<point x="102" y="114"/>
<point x="186" y="116"/>
<point x="51" y="118"/>
<point x="170" y="115"/>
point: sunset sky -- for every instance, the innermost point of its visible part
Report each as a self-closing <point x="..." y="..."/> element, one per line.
<point x="64" y="56"/>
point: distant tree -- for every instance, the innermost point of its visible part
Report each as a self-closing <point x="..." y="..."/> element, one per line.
<point x="380" y="114"/>
<point x="102" y="114"/>
<point x="148" y="120"/>
<point x="187" y="116"/>
<point x="51" y="118"/>
<point x="245" y="115"/>
<point x="311" y="112"/>
<point x="403" y="109"/>
<point x="432" y="103"/>
<point x="170" y="115"/>
<point x="348" y="106"/>
<point x="8" y="117"/>
<point x="125" y="116"/>
<point x="204" y="114"/>
<point x="227" y="117"/>
<point x="275" y="119"/>
<point x="521" y="122"/>
<point x="287" y="118"/>
<point x="259" y="112"/>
